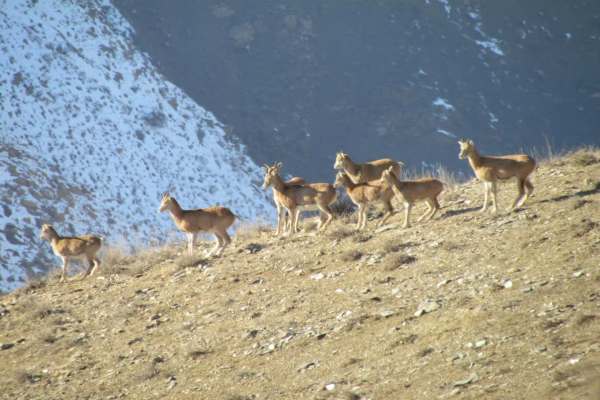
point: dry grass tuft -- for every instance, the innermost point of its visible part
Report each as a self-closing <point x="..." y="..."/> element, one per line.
<point x="113" y="259"/>
<point x="199" y="353"/>
<point x="252" y="230"/>
<point x="187" y="261"/>
<point x="33" y="284"/>
<point x="340" y="232"/>
<point x="451" y="180"/>
<point x="583" y="158"/>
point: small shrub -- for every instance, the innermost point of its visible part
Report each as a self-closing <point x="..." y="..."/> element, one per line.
<point x="398" y="261"/>
<point x="584" y="158"/>
<point x="391" y="246"/>
<point x="362" y="237"/>
<point x="155" y="119"/>
<point x="351" y="255"/>
<point x="340" y="232"/>
<point x="48" y="338"/>
<point x="34" y="284"/>
<point x="187" y="261"/>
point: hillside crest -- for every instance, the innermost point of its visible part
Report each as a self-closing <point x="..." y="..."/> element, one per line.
<point x="468" y="305"/>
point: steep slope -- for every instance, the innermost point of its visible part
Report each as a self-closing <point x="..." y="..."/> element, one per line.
<point x="91" y="134"/>
<point x="300" y="80"/>
<point x="513" y="310"/>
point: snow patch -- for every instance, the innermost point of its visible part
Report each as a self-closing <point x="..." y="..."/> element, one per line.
<point x="446" y="133"/>
<point x="446" y="6"/>
<point x="493" y="119"/>
<point x="92" y="134"/>
<point x="443" y="103"/>
<point x="491" y="45"/>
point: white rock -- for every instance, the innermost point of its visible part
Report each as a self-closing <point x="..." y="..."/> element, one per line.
<point x="427" y="306"/>
<point x="442" y="283"/>
<point x="317" y="277"/>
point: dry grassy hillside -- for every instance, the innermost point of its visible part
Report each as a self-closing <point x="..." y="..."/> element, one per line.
<point x="513" y="301"/>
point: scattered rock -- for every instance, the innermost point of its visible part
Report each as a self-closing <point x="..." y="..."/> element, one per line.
<point x="427" y="306"/>
<point x="425" y="352"/>
<point x="330" y="386"/>
<point x="578" y="274"/>
<point x="135" y="340"/>
<point x="467" y="381"/>
<point x="443" y="283"/>
<point x="507" y="284"/>
<point x="250" y="334"/>
<point x="373" y="259"/>
<point x="479" y="344"/>
<point x="317" y="277"/>
<point x="308" y="365"/>
<point x="253" y="248"/>
<point x="6" y="346"/>
<point x="541" y="349"/>
<point x="386" y="313"/>
<point x="171" y="382"/>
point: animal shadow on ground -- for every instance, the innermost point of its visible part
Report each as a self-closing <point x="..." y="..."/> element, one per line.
<point x="453" y="213"/>
<point x="581" y="193"/>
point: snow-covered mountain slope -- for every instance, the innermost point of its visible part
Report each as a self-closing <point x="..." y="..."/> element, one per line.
<point x="91" y="135"/>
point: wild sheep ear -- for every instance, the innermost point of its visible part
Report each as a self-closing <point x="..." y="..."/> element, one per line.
<point x="471" y="142"/>
<point x="279" y="164"/>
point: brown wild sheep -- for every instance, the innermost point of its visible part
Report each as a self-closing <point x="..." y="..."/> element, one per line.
<point x="490" y="169"/>
<point x="295" y="197"/>
<point x="76" y="247"/>
<point x="296" y="180"/>
<point x="365" y="194"/>
<point x="369" y="171"/>
<point x="410" y="192"/>
<point x="212" y="219"/>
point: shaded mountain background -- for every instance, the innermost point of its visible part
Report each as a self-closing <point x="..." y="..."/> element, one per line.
<point x="299" y="80"/>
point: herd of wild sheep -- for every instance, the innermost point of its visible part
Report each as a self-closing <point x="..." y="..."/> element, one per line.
<point x="372" y="182"/>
